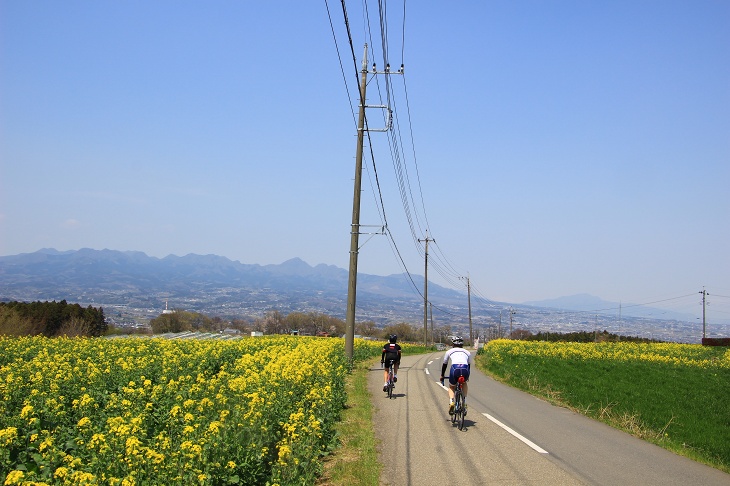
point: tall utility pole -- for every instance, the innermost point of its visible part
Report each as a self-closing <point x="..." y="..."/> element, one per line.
<point x="425" y="293"/>
<point x="355" y="228"/>
<point x="704" y="303"/>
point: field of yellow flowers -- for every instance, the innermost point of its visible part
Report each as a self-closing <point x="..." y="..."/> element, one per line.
<point x="154" y="411"/>
<point x="676" y="395"/>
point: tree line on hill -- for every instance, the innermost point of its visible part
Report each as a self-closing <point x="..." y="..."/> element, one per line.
<point x="51" y="319"/>
<point x="63" y="319"/>
<point x="579" y="337"/>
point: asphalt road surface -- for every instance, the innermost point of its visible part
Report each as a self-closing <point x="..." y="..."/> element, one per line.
<point x="509" y="437"/>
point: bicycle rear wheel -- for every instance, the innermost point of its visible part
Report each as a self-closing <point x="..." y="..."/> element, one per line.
<point x="390" y="384"/>
<point x="459" y="411"/>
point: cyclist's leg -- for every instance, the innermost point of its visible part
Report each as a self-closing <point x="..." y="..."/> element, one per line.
<point x="452" y="383"/>
<point x="386" y="369"/>
<point x="452" y="388"/>
<point x="395" y="370"/>
<point x="452" y="394"/>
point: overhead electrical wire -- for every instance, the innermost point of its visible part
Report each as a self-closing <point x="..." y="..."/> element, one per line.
<point x="339" y="57"/>
<point x="387" y="98"/>
<point x="414" y="213"/>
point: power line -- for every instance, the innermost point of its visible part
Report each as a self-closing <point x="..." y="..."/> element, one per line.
<point x="640" y="305"/>
<point x="403" y="179"/>
<point x="339" y="57"/>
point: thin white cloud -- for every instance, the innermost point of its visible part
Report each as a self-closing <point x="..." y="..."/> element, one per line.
<point x="71" y="224"/>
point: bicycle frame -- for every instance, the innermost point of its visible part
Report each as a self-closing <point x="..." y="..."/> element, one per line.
<point x="390" y="380"/>
<point x="459" y="411"/>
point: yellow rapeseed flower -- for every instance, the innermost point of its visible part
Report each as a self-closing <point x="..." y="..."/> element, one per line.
<point x="8" y="435"/>
<point x="14" y="477"/>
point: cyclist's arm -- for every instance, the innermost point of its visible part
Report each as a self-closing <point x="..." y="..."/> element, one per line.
<point x="443" y="369"/>
<point x="382" y="357"/>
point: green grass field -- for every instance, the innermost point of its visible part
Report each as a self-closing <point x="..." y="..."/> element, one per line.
<point x="674" y="395"/>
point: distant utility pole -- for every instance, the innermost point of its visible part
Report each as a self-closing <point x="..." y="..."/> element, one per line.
<point x="425" y="293"/>
<point x="619" y="322"/>
<point x="511" y="313"/>
<point x="355" y="226"/>
<point x="468" y="296"/>
<point x="704" y="303"/>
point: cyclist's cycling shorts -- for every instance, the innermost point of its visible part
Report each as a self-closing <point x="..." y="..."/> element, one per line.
<point x="388" y="361"/>
<point x="458" y="370"/>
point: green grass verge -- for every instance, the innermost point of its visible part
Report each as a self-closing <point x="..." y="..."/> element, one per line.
<point x="676" y="396"/>
<point x="355" y="462"/>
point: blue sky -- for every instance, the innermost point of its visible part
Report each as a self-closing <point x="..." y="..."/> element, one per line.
<point x="549" y="148"/>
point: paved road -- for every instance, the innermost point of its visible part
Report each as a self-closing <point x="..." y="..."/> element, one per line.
<point x="509" y="438"/>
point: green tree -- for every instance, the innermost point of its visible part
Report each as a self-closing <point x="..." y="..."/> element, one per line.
<point x="52" y="319"/>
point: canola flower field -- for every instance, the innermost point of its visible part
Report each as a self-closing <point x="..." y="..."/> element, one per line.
<point x="137" y="411"/>
<point x="675" y="395"/>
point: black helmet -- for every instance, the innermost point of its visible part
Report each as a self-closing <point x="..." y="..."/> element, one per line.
<point x="393" y="338"/>
<point x="457" y="341"/>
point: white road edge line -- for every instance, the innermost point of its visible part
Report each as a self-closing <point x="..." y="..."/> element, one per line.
<point x="523" y="439"/>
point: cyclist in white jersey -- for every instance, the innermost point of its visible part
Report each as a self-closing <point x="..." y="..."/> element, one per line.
<point x="461" y="361"/>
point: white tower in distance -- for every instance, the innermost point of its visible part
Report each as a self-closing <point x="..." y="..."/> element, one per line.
<point x="166" y="311"/>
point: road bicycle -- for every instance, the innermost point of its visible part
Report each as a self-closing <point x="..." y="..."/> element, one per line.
<point x="391" y="381"/>
<point x="459" y="405"/>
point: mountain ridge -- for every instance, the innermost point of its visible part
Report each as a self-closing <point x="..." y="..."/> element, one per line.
<point x="207" y="283"/>
<point x="584" y="302"/>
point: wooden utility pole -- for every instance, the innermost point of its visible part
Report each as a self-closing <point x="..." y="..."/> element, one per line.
<point x="511" y="313"/>
<point x="355" y="227"/>
<point x="431" y="308"/>
<point x="468" y="294"/>
<point x="704" y="303"/>
<point x="425" y="294"/>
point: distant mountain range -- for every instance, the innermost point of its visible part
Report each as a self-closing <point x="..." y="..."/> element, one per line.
<point x="130" y="285"/>
<point x="207" y="283"/>
<point x="591" y="303"/>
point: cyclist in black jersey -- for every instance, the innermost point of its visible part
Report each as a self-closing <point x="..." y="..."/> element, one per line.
<point x="391" y="353"/>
